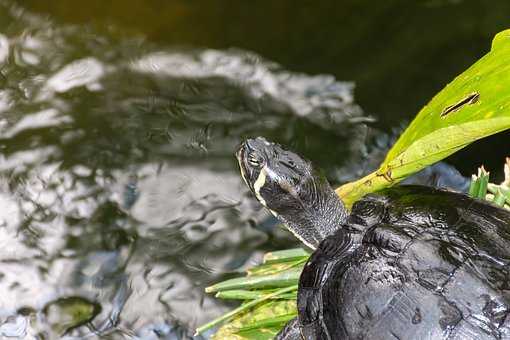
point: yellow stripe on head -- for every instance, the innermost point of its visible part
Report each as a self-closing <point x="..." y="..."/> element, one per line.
<point x="259" y="183"/>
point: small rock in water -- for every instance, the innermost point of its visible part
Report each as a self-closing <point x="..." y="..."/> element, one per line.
<point x="67" y="313"/>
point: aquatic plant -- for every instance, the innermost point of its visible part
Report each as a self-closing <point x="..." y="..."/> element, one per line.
<point x="498" y="194"/>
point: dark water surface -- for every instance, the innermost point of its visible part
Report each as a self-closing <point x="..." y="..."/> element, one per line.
<point x="120" y="198"/>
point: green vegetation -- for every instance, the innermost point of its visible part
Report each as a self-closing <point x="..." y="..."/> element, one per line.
<point x="266" y="305"/>
<point x="497" y="194"/>
<point x="474" y="105"/>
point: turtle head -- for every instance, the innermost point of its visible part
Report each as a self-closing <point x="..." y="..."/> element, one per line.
<point x="288" y="185"/>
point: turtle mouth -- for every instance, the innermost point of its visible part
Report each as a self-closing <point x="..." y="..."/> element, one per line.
<point x="241" y="159"/>
<point x="240" y="152"/>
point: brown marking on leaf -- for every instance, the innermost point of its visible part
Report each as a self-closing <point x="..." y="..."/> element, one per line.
<point x="468" y="100"/>
<point x="387" y="176"/>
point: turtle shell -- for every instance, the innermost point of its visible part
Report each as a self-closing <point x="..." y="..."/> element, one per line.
<point x="411" y="263"/>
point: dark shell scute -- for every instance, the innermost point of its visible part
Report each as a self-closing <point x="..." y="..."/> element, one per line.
<point x="388" y="237"/>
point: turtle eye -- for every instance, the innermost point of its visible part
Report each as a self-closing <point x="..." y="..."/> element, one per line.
<point x="254" y="161"/>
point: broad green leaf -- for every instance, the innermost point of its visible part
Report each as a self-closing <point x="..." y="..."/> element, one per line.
<point x="474" y="105"/>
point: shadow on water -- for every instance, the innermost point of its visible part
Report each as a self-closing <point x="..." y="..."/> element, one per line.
<point x="120" y="195"/>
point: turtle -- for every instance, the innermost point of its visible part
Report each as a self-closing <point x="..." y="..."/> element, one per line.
<point x="407" y="262"/>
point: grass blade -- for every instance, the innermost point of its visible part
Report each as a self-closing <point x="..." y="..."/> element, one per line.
<point x="238" y="294"/>
<point x="285" y="255"/>
<point x="282" y="279"/>
<point x="271" y="322"/>
<point x="244" y="308"/>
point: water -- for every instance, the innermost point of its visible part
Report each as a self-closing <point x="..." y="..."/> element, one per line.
<point x="119" y="192"/>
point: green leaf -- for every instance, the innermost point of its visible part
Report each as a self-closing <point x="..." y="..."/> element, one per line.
<point x="275" y="267"/>
<point x="474" y="105"/>
<point x="501" y="193"/>
<point x="285" y="255"/>
<point x="500" y="198"/>
<point x="283" y="279"/>
<point x="245" y="307"/>
<point x="277" y="321"/>
<point x="260" y="333"/>
<point x="243" y="326"/>
<point x="242" y="294"/>
<point x="479" y="183"/>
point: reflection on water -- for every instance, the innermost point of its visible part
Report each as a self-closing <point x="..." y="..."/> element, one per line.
<point x="119" y="192"/>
